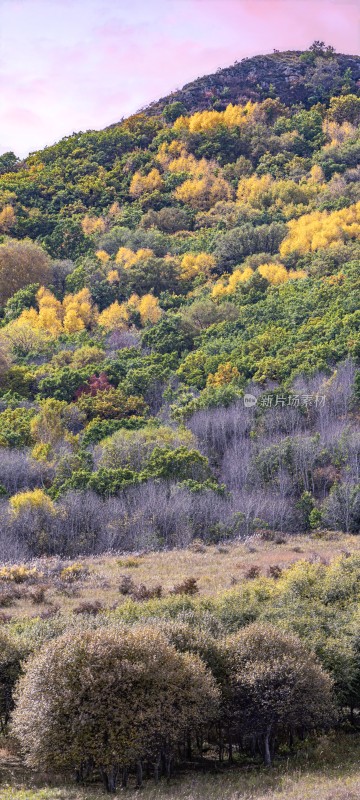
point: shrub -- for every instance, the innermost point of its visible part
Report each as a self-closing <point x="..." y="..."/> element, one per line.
<point x="274" y="686"/>
<point x="37" y="595"/>
<point x="127" y="585"/>
<point x="76" y="701"/>
<point x="73" y="572"/>
<point x="7" y="597"/>
<point x="188" y="586"/>
<point x="91" y="607"/>
<point x="253" y="572"/>
<point x="19" y="573"/>
<point x="15" y="428"/>
<point x="129" y="563"/>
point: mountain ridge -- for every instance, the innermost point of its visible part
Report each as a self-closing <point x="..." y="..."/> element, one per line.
<point x="252" y="78"/>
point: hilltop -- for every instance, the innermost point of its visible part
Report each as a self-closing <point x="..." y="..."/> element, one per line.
<point x="293" y="76"/>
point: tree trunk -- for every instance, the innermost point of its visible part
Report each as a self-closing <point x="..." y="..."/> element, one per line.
<point x="267" y="752"/>
<point x="125" y="776"/>
<point x="168" y="766"/>
<point x="188" y="747"/>
<point x="253" y="745"/>
<point x="139" y="775"/>
<point x="156" y="771"/>
<point x="110" y="777"/>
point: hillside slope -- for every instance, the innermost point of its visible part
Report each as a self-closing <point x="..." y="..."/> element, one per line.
<point x="153" y="273"/>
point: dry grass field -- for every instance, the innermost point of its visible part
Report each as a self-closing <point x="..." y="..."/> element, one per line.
<point x="215" y="569"/>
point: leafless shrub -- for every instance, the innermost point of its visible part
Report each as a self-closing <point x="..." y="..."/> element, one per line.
<point x="188" y="586"/>
<point x="274" y="571"/>
<point x="217" y="428"/>
<point x="50" y="612"/>
<point x="67" y="589"/>
<point x="37" y="594"/>
<point x="129" y="589"/>
<point x="118" y="340"/>
<point x="90" y="607"/>
<point x="127" y="585"/>
<point x="19" y="471"/>
<point x="7" y="596"/>
<point x="280" y="538"/>
<point x="143" y="592"/>
<point x="252" y="572"/>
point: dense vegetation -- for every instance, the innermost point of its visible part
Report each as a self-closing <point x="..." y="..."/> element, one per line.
<point x="179" y="353"/>
<point x="152" y="273"/>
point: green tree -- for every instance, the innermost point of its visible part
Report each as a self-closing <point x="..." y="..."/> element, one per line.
<point x="177" y="464"/>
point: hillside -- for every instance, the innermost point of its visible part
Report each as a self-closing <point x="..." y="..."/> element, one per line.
<point x="179" y="444"/>
<point x="151" y="275"/>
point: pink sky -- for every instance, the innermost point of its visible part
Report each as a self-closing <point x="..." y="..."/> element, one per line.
<point x="69" y="65"/>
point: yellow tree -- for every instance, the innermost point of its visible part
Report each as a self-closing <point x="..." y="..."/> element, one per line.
<point x="321" y="229"/>
<point x="225" y="374"/>
<point x="145" y="183"/>
<point x="30" y="501"/>
<point x="277" y="273"/>
<point x="205" y="187"/>
<point x="79" y="310"/>
<point x="92" y="225"/>
<point x="127" y="258"/>
<point x="149" y="309"/>
<point x="7" y="219"/>
<point x="236" y="278"/>
<point x="103" y="256"/>
<point x="115" y="317"/>
<point x="193" y="264"/>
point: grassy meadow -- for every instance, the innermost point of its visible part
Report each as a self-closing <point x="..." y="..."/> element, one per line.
<point x="215" y="568"/>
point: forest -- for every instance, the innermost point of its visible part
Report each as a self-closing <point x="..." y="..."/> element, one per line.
<point x="179" y="368"/>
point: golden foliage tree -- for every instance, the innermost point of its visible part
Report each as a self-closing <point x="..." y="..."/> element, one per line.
<point x="149" y="309"/>
<point x="93" y="225"/>
<point x="321" y="229"/>
<point x="141" y="184"/>
<point x="127" y="258"/>
<point x="277" y="273"/>
<point x="194" y="264"/>
<point x="7" y="219"/>
<point x="115" y="317"/>
<point x="225" y="374"/>
<point x="236" y="278"/>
